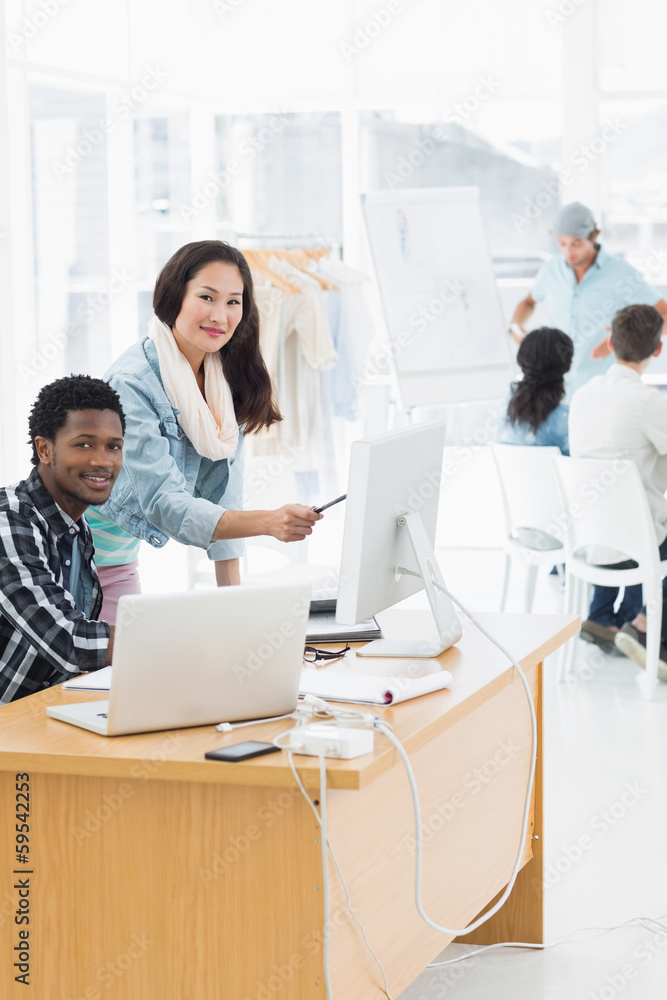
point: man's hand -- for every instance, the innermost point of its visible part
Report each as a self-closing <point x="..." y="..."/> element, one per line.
<point x="292" y="522"/>
<point x="602" y="350"/>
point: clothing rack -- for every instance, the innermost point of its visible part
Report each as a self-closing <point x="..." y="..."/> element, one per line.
<point x="267" y="241"/>
<point x="299" y="257"/>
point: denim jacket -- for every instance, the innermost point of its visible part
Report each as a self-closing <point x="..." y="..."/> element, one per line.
<point x="552" y="431"/>
<point x="154" y="496"/>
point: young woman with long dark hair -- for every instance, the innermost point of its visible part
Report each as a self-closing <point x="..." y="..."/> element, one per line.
<point x="536" y="413"/>
<point x="190" y="390"/>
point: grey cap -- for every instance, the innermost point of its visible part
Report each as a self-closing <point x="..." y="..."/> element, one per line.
<point x="574" y="220"/>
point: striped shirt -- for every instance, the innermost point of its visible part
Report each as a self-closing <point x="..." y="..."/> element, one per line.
<point x="43" y="637"/>
<point x="113" y="545"/>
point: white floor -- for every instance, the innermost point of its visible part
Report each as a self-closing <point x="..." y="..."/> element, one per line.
<point x="605" y="753"/>
<point x="606" y="812"/>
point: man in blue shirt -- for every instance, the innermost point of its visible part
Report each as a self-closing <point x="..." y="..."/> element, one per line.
<point x="584" y="286"/>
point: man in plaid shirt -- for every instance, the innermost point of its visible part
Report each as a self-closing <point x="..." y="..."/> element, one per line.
<point x="50" y="595"/>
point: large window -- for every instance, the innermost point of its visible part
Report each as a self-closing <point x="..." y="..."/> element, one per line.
<point x="279" y="174"/>
<point x="69" y="179"/>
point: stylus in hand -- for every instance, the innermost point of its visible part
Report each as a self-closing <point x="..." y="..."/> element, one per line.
<point x="318" y="510"/>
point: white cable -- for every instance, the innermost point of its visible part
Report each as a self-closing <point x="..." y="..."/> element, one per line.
<point x="325" y="837"/>
<point x="553" y="944"/>
<point x="322" y="709"/>
<point x="227" y="727"/>
<point x="379" y="725"/>
<point x="358" y="921"/>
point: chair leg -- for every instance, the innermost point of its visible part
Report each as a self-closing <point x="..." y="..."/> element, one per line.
<point x="506" y="581"/>
<point x="531" y="580"/>
<point x="575" y="605"/>
<point x="653" y="636"/>
<point x="564" y="653"/>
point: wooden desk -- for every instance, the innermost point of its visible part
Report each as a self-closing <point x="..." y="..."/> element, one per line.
<point x="156" y="874"/>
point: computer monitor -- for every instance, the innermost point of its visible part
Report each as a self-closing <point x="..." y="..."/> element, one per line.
<point x="389" y="536"/>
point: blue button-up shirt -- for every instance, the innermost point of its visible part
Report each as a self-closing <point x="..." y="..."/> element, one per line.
<point x="584" y="309"/>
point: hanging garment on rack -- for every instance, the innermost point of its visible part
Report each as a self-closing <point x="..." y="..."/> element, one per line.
<point x="296" y="351"/>
<point x="352" y="335"/>
<point x="308" y="351"/>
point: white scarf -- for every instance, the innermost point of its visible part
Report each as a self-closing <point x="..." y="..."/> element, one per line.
<point x="209" y="423"/>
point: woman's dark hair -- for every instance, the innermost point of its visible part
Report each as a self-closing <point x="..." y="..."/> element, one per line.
<point x="544" y="356"/>
<point x="242" y="361"/>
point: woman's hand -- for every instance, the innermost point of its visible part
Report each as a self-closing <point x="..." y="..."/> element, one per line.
<point x="292" y="522"/>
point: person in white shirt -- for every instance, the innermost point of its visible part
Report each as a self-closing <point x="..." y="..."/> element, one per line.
<point x="616" y="415"/>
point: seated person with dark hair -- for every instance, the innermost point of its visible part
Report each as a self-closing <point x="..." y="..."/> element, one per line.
<point x="616" y="415"/>
<point x="536" y="413"/>
<point x="50" y="595"/>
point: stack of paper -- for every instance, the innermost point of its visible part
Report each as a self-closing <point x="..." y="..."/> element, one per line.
<point x="323" y="627"/>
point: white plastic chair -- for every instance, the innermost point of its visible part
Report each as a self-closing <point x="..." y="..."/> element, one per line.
<point x="531" y="501"/>
<point x="603" y="502"/>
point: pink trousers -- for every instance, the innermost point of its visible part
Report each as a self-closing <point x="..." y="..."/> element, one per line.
<point x="116" y="581"/>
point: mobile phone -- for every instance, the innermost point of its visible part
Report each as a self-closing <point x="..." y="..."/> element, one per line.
<point x="241" y="751"/>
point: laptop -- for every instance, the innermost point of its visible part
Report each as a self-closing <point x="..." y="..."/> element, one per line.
<point x="202" y="657"/>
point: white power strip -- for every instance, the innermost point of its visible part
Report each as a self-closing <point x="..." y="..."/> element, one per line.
<point x="320" y="739"/>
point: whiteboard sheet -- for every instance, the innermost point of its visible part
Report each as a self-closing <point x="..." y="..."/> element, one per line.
<point x="438" y="288"/>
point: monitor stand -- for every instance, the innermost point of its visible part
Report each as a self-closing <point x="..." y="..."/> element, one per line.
<point x="446" y="621"/>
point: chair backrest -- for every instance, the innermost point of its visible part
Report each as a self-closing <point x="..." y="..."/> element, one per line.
<point x="604" y="503"/>
<point x="529" y="486"/>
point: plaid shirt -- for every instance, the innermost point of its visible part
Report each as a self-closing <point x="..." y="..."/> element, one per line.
<point x="43" y="638"/>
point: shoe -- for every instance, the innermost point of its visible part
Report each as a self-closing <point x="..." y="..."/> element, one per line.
<point x="632" y="643"/>
<point x="600" y="635"/>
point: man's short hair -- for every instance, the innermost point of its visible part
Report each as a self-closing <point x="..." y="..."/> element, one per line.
<point x="60" y="398"/>
<point x="635" y="332"/>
